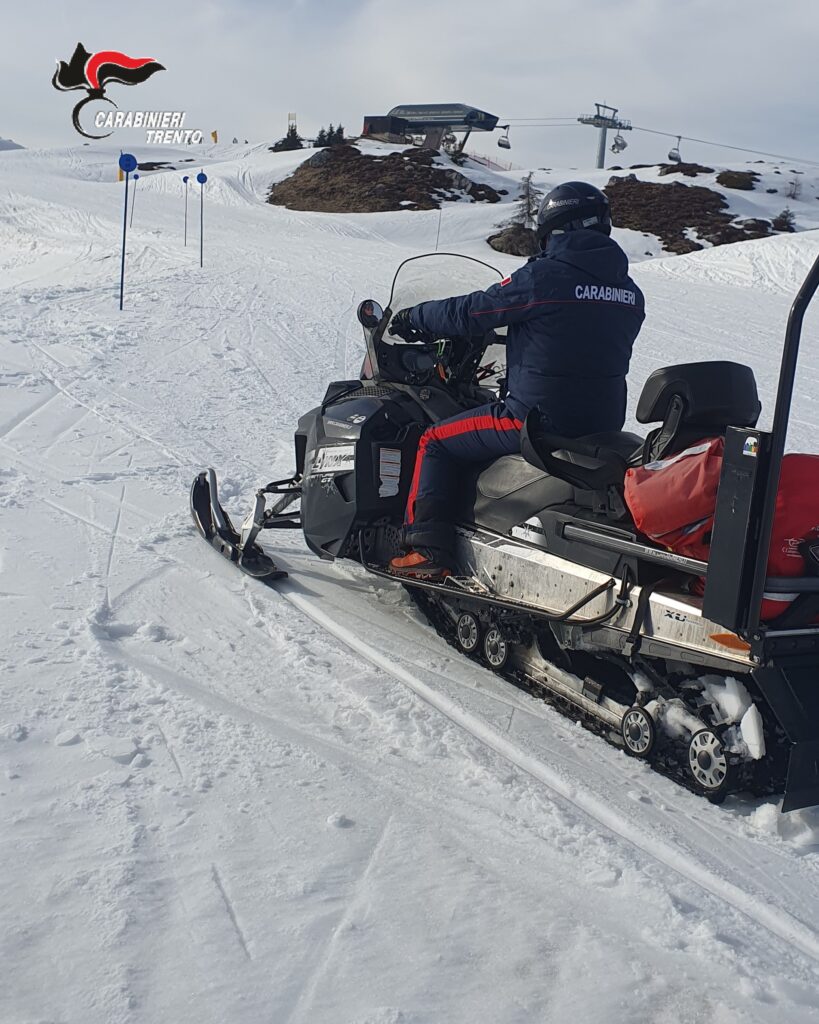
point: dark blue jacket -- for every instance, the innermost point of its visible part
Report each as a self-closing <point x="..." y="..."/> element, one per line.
<point x="573" y="314"/>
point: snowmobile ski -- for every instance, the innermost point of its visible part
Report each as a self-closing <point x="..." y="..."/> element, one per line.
<point x="214" y="524"/>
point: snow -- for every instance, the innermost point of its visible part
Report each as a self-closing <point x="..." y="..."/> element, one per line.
<point x="222" y="802"/>
<point x="728" y="695"/>
<point x="751" y="728"/>
<point x="677" y="720"/>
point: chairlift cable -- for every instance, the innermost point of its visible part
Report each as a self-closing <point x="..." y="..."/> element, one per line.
<point x="567" y="124"/>
<point x="722" y="145"/>
<point x="553" y="122"/>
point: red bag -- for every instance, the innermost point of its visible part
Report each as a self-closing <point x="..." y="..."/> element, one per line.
<point x="796" y="519"/>
<point x="673" y="500"/>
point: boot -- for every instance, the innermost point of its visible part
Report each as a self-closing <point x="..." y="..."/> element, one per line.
<point x="418" y="565"/>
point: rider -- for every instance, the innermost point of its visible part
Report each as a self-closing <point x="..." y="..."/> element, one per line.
<point x="573" y="314"/>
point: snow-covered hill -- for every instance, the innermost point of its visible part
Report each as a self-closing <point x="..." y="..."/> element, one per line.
<point x="221" y="802"/>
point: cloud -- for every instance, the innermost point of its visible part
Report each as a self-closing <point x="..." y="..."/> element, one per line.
<point x="738" y="71"/>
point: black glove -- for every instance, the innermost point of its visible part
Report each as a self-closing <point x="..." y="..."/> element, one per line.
<point x="401" y="326"/>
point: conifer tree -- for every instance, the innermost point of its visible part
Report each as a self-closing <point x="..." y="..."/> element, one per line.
<point x="784" y="221"/>
<point x="527" y="203"/>
<point x="292" y="140"/>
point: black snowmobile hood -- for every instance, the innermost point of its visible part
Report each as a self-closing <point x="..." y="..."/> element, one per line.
<point x="590" y="252"/>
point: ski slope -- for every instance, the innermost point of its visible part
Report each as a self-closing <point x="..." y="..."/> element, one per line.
<point x="222" y="802"/>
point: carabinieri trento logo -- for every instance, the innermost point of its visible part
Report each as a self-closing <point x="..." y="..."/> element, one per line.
<point x="93" y="72"/>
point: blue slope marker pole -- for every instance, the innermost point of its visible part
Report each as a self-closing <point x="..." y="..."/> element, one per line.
<point x="185" y="181"/>
<point x="201" y="177"/>
<point x="133" y="202"/>
<point x="127" y="163"/>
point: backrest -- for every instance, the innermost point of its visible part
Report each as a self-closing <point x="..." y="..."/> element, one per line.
<point x="695" y="400"/>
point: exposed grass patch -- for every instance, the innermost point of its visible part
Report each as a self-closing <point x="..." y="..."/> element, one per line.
<point x="344" y="180"/>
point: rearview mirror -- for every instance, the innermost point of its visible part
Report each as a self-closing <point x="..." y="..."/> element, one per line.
<point x="369" y="314"/>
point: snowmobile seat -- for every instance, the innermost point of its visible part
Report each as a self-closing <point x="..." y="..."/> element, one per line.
<point x="509" y="491"/>
<point x="584" y="476"/>
<point x="514" y="488"/>
<point x="692" y="401"/>
<point x="594" y="462"/>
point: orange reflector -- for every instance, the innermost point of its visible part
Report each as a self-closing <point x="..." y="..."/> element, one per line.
<point x="730" y="640"/>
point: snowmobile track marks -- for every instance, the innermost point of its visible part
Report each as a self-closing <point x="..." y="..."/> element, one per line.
<point x="230" y="910"/>
<point x="308" y="993"/>
<point x="778" y="922"/>
<point x="29" y="413"/>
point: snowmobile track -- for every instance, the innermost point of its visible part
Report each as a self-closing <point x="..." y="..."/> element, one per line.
<point x="751" y="905"/>
<point x="669" y="768"/>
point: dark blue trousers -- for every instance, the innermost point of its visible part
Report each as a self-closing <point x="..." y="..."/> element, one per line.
<point x="478" y="435"/>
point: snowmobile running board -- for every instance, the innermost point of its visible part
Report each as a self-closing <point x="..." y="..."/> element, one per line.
<point x="471" y="589"/>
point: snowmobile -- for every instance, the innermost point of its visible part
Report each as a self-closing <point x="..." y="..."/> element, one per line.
<point x="556" y="588"/>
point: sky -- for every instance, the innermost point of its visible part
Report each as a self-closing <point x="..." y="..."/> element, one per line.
<point x="739" y="72"/>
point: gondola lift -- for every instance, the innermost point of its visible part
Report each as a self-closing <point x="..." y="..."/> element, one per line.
<point x="674" y="152"/>
<point x="503" y="141"/>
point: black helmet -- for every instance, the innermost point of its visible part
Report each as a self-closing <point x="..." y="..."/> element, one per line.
<point x="570" y="206"/>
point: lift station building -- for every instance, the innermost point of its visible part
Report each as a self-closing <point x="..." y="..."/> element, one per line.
<point x="434" y="121"/>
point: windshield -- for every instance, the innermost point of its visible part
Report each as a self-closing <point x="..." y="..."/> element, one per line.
<point x="426" y="278"/>
<point x="439" y="276"/>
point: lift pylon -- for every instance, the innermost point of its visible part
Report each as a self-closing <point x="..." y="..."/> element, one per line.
<point x="605" y="118"/>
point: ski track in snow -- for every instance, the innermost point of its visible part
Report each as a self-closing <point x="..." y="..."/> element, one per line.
<point x="225" y="802"/>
